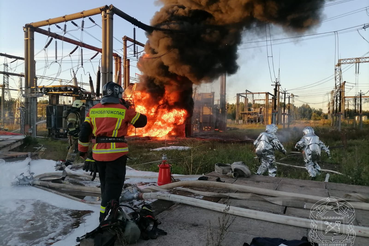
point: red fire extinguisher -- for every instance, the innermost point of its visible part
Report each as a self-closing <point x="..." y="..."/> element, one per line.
<point x="165" y="176"/>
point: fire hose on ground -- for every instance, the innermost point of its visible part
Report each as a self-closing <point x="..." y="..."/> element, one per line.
<point x="253" y="214"/>
<point x="224" y="208"/>
<point x="273" y="196"/>
<point x="254" y="190"/>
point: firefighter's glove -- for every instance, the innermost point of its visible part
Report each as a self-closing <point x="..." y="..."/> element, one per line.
<point x="74" y="133"/>
<point x="89" y="165"/>
<point x="129" y="194"/>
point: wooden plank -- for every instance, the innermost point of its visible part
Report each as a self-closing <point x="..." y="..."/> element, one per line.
<point x="9" y="142"/>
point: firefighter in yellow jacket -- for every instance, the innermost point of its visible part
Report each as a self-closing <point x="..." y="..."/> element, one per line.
<point x="73" y="118"/>
<point x="108" y="122"/>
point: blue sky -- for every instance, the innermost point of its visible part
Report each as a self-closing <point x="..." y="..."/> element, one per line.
<point x="304" y="66"/>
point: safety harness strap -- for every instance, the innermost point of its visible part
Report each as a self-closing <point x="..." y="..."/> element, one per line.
<point x="111" y="140"/>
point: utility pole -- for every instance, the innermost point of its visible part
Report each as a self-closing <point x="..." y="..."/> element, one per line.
<point x="284" y="108"/>
<point x="274" y="112"/>
<point x="279" y="111"/>
<point x="348" y="112"/>
<point x="289" y="111"/>
<point x="331" y="107"/>
<point x="360" y="110"/>
<point x="355" y="110"/>
<point x="339" y="107"/>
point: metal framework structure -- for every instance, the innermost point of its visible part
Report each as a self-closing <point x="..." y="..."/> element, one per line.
<point x="338" y="97"/>
<point x="31" y="88"/>
<point x="5" y="85"/>
<point x="126" y="62"/>
<point x="266" y="113"/>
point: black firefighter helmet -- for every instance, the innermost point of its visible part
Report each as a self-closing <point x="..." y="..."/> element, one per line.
<point x="112" y="93"/>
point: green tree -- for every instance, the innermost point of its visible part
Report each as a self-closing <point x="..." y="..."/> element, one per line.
<point x="231" y="111"/>
<point x="317" y="114"/>
<point x="304" y="112"/>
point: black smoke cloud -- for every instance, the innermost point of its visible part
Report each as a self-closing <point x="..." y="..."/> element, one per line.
<point x="195" y="41"/>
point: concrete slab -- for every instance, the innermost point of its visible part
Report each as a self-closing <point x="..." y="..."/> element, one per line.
<point x="193" y="226"/>
<point x="302" y="189"/>
<point x="362" y="217"/>
<point x="298" y="212"/>
<point x="259" y="184"/>
<point x="265" y="179"/>
<point x="348" y="188"/>
<point x="338" y="193"/>
<point x="187" y="225"/>
<point x="361" y="241"/>
<point x="258" y="205"/>
<point x="304" y="183"/>
<point x="254" y="181"/>
<point x="258" y="228"/>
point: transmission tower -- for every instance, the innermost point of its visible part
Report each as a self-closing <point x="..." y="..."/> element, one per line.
<point x="19" y="102"/>
<point x="339" y="93"/>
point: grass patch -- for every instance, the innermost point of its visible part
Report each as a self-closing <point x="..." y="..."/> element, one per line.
<point x="51" y="149"/>
<point x="349" y="150"/>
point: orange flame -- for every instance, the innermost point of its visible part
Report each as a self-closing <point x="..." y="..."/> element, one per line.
<point x="161" y="121"/>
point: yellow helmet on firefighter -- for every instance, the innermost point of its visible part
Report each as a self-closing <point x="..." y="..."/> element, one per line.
<point x="77" y="104"/>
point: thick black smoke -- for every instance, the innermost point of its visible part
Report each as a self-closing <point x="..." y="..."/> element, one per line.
<point x="200" y="38"/>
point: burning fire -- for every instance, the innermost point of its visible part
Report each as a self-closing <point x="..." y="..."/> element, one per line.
<point x="162" y="119"/>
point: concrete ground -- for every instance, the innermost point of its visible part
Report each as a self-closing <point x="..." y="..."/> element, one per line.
<point x="192" y="226"/>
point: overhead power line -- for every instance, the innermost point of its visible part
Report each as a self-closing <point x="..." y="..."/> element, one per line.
<point x="311" y="36"/>
<point x="346" y="14"/>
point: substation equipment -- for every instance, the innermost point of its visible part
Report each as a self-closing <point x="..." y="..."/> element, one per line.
<point x="208" y="115"/>
<point x="32" y="91"/>
<point x="336" y="106"/>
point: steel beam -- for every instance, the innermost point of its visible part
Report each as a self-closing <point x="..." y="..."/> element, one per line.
<point x="70" y="17"/>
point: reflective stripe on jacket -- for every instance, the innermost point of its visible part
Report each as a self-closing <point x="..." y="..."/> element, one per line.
<point x="108" y="120"/>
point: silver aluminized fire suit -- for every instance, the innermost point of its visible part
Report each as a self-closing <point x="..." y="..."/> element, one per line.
<point x="311" y="147"/>
<point x="266" y="143"/>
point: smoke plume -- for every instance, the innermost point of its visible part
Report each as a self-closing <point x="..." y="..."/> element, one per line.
<point x="195" y="41"/>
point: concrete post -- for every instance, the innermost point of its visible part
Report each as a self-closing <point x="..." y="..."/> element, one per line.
<point x="107" y="47"/>
<point x="31" y="99"/>
<point x="237" y="108"/>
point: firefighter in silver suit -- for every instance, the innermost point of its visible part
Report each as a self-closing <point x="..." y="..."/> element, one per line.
<point x="311" y="148"/>
<point x="266" y="143"/>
